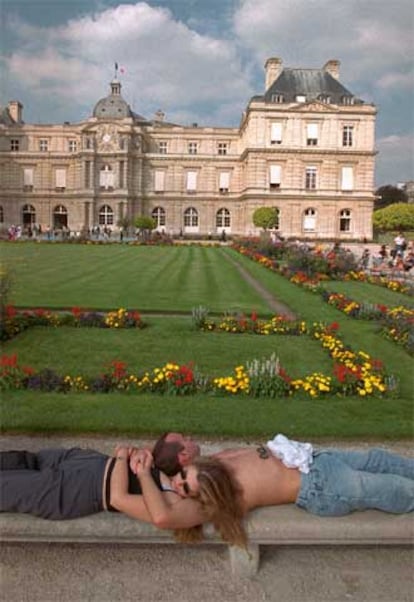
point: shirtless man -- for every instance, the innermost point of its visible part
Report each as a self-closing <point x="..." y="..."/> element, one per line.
<point x="328" y="482"/>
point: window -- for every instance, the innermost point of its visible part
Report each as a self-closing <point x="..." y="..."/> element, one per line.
<point x="159" y="181"/>
<point x="222" y="148"/>
<point x="275" y="176"/>
<point x="106" y="178"/>
<point x="121" y="174"/>
<point x="277" y="98"/>
<point x="224" y="182"/>
<point x="158" y="214"/>
<point x="60" y="217"/>
<point x="1" y="215"/>
<point x="223" y="218"/>
<point x="87" y="174"/>
<point x="106" y="216"/>
<point x="72" y="145"/>
<point x="43" y="145"/>
<point x="191" y="181"/>
<point x="309" y="220"/>
<point x="14" y="144"/>
<point x="192" y="148"/>
<point x="324" y="98"/>
<point x="191" y="218"/>
<point x="312" y="134"/>
<point x="28" y="215"/>
<point x="276" y="133"/>
<point x="300" y="98"/>
<point x="310" y="178"/>
<point x="163" y="147"/>
<point x="345" y="220"/>
<point x="60" y="179"/>
<point x="88" y="143"/>
<point x="348" y="135"/>
<point x="28" y="179"/>
<point x="347" y="100"/>
<point x="347" y="178"/>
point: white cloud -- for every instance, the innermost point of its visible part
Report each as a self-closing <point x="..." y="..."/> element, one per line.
<point x="395" y="161"/>
<point x="167" y="64"/>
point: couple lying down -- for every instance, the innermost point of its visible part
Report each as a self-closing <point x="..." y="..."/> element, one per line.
<point x="175" y="488"/>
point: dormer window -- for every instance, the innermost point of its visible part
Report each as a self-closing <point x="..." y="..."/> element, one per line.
<point x="347" y="100"/>
<point x="325" y="98"/>
<point x="300" y="98"/>
<point x="278" y="98"/>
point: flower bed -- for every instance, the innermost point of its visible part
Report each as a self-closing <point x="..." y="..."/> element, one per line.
<point x="353" y="373"/>
<point x="396" y="323"/>
<point x="14" y="321"/>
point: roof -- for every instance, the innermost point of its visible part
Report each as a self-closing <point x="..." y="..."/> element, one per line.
<point x="312" y="83"/>
<point x="5" y="117"/>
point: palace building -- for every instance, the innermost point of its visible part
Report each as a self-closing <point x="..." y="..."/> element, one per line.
<point x="305" y="146"/>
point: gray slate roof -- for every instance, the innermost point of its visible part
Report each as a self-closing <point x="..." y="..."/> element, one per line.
<point x="311" y="83"/>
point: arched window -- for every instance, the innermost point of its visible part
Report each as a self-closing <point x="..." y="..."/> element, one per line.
<point x="60" y="217"/>
<point x="106" y="216"/>
<point x="345" y="220"/>
<point x="1" y="215"/>
<point x="28" y="215"/>
<point x="223" y="218"/>
<point x="191" y="218"/>
<point x="309" y="220"/>
<point x="158" y="214"/>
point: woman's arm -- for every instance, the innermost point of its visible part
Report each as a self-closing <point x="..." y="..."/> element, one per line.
<point x="165" y="510"/>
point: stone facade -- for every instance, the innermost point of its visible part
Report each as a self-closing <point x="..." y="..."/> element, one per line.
<point x="306" y="147"/>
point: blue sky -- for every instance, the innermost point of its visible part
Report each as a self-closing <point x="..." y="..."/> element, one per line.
<point x="201" y="60"/>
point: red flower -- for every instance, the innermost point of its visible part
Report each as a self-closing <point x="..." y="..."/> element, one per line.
<point x="254" y="316"/>
<point x="76" y="311"/>
<point x="10" y="361"/>
<point x="10" y="311"/>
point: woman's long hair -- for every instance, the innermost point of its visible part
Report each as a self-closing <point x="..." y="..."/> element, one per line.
<point x="221" y="498"/>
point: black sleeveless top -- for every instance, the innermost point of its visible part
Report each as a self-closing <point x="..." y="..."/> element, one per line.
<point x="134" y="486"/>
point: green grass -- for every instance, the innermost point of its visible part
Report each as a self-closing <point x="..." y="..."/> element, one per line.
<point x="210" y="416"/>
<point x="86" y="350"/>
<point x="144" y="278"/>
<point x="364" y="292"/>
<point x="204" y="275"/>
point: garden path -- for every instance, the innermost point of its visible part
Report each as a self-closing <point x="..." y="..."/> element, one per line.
<point x="272" y="301"/>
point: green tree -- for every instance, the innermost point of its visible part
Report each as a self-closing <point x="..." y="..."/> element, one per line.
<point x="388" y="195"/>
<point x="398" y="216"/>
<point x="266" y="217"/>
<point x="145" y="225"/>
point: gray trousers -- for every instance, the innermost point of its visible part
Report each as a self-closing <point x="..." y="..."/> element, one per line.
<point x="67" y="483"/>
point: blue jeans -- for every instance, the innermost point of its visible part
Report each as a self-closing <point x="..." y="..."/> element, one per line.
<point x="340" y="482"/>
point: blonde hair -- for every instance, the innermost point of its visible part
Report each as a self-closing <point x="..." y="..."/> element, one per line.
<point x="220" y="496"/>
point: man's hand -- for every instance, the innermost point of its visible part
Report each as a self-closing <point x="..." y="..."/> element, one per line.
<point x="143" y="462"/>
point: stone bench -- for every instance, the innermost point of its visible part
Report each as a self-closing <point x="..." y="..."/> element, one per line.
<point x="276" y="526"/>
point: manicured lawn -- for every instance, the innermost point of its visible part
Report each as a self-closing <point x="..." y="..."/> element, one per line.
<point x="144" y="278"/>
<point x="86" y="350"/>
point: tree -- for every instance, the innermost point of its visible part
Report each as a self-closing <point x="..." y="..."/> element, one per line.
<point x="145" y="225"/>
<point x="388" y="195"/>
<point x="398" y="216"/>
<point x="266" y="217"/>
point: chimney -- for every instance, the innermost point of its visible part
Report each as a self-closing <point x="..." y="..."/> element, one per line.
<point x="16" y="110"/>
<point x="332" y="67"/>
<point x="273" y="68"/>
<point x="159" y="116"/>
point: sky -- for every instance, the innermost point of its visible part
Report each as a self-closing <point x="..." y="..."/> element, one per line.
<point x="202" y="60"/>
